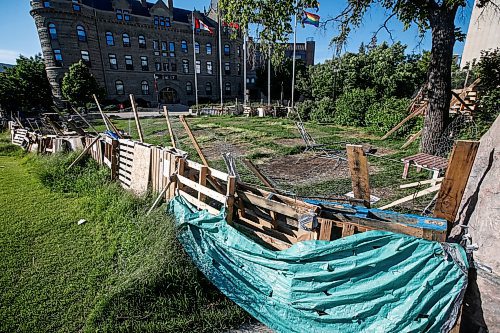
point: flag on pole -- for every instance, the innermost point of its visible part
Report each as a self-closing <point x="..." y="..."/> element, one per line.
<point x="310" y="18"/>
<point x="232" y="25"/>
<point x="199" y="25"/>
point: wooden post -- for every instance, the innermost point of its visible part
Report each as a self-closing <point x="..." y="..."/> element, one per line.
<point x="180" y="171"/>
<point x="398" y="126"/>
<point x="412" y="139"/>
<point x="257" y="173"/>
<point x="136" y="116"/>
<point x="85" y="151"/>
<point x="102" y="113"/>
<point x="193" y="140"/>
<point x="231" y="189"/>
<point x="203" y="181"/>
<point x="454" y="182"/>
<point x="170" y="131"/>
<point x="358" y="166"/>
<point x="114" y="159"/>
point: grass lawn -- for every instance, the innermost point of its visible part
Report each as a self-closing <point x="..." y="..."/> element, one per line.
<point x="119" y="272"/>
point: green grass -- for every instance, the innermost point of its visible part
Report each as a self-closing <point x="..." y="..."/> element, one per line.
<point x="119" y="272"/>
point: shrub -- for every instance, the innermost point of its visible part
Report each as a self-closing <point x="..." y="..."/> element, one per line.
<point x="384" y="115"/>
<point x="351" y="107"/>
<point x="305" y="108"/>
<point x="324" y="110"/>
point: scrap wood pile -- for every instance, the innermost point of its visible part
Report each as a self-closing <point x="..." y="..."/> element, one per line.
<point x="274" y="221"/>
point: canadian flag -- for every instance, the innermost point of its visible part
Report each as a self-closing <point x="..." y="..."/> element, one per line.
<point x="198" y="24"/>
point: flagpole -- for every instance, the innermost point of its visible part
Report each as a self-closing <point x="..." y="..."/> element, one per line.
<point x="220" y="60"/>
<point x="294" y="60"/>
<point x="245" y="67"/>
<point x="269" y="77"/>
<point x="195" y="69"/>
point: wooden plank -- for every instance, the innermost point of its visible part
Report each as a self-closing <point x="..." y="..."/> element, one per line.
<point x="423" y="182"/>
<point x="194" y="141"/>
<point x="325" y="232"/>
<point x="84" y="152"/>
<point x="212" y="172"/>
<point x="203" y="182"/>
<point x="456" y="177"/>
<point x="412" y="139"/>
<point x="413" y="196"/>
<point x="348" y="230"/>
<point x="271" y="241"/>
<point x="252" y="167"/>
<point x="141" y="169"/>
<point x="197" y="203"/>
<point x="358" y="167"/>
<point x="124" y="181"/>
<point x="102" y="113"/>
<point x="136" y="117"/>
<point x="268" y="230"/>
<point x="231" y="189"/>
<point x="404" y="121"/>
<point x="277" y="207"/>
<point x="202" y="189"/>
<point x="169" y="125"/>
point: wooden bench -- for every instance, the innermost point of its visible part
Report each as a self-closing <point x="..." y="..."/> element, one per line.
<point x="425" y="161"/>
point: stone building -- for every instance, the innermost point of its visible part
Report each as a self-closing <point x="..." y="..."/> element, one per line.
<point x="141" y="48"/>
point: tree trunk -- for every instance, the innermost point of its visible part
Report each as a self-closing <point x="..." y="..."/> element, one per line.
<point x="442" y="22"/>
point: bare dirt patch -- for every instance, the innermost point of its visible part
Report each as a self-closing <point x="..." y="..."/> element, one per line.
<point x="214" y="149"/>
<point x="290" y="142"/>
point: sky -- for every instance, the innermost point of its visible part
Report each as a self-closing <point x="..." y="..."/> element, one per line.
<point x="19" y="36"/>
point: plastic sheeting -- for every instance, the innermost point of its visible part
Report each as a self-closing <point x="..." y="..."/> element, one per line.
<point x="370" y="282"/>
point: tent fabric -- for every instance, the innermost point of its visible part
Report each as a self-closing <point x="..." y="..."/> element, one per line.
<point x="369" y="282"/>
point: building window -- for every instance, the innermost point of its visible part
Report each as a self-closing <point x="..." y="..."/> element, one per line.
<point x="227" y="68"/>
<point x="144" y="64"/>
<point x="126" y="15"/>
<point x="184" y="46"/>
<point x="120" y="89"/>
<point x="167" y="21"/>
<point x="119" y="15"/>
<point x="158" y="66"/>
<point x="52" y="31"/>
<point x="173" y="66"/>
<point x="126" y="40"/>
<point x="156" y="45"/>
<point x="85" y="57"/>
<point x="145" y="87"/>
<point x="238" y="50"/>
<point x="82" y="35"/>
<point x="46" y="4"/>
<point x="110" y="40"/>
<point x="189" y="88"/>
<point x="156" y="21"/>
<point x="171" y="48"/>
<point x="185" y="66"/>
<point x="113" y="64"/>
<point x="227" y="49"/>
<point x="129" y="64"/>
<point x="58" y="58"/>
<point x="208" y="88"/>
<point x="210" y="69"/>
<point x="197" y="47"/>
<point x="239" y="69"/>
<point x="166" y="67"/>
<point x="227" y="88"/>
<point x="164" y="46"/>
<point x="198" y="67"/>
<point x="76" y="5"/>
<point x="142" y="42"/>
<point x="209" y="48"/>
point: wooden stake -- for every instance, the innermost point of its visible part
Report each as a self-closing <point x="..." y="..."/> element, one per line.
<point x="398" y="126"/>
<point x="160" y="196"/>
<point x="358" y="166"/>
<point x="170" y="131"/>
<point x="456" y="177"/>
<point x="85" y="151"/>
<point x="136" y="116"/>
<point x="84" y="120"/>
<point x="412" y="139"/>
<point x="252" y="167"/>
<point x="193" y="140"/>
<point x="102" y="113"/>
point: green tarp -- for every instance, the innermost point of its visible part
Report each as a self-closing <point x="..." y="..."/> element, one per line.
<point x="370" y="282"/>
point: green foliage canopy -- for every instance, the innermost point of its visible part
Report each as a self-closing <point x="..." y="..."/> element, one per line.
<point x="79" y="85"/>
<point x="25" y="87"/>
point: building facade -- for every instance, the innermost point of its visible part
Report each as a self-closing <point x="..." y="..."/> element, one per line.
<point x="483" y="33"/>
<point x="141" y="48"/>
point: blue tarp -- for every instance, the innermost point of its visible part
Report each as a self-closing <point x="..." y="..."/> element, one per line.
<point x="370" y="282"/>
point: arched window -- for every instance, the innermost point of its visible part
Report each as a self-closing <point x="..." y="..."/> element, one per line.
<point x="110" y="40"/>
<point x="209" y="48"/>
<point x="184" y="46"/>
<point x="142" y="42"/>
<point x="126" y="40"/>
<point x="185" y="66"/>
<point x="208" y="88"/>
<point x="120" y="89"/>
<point x="227" y="88"/>
<point x="197" y="47"/>
<point x="227" y="49"/>
<point x="145" y="87"/>
<point x="82" y="35"/>
<point x="52" y="31"/>
<point x="189" y="88"/>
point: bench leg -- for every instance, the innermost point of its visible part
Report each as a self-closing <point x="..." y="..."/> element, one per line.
<point x="435" y="175"/>
<point x="405" y="170"/>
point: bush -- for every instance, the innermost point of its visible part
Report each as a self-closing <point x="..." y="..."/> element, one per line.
<point x="324" y="110"/>
<point x="351" y="107"/>
<point x="384" y="115"/>
<point x="305" y="108"/>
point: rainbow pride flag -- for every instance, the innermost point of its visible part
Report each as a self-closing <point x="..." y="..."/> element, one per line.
<point x="310" y="18"/>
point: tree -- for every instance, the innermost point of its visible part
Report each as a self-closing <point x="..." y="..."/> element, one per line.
<point x="281" y="78"/>
<point x="25" y="87"/>
<point x="436" y="15"/>
<point x="79" y="85"/>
